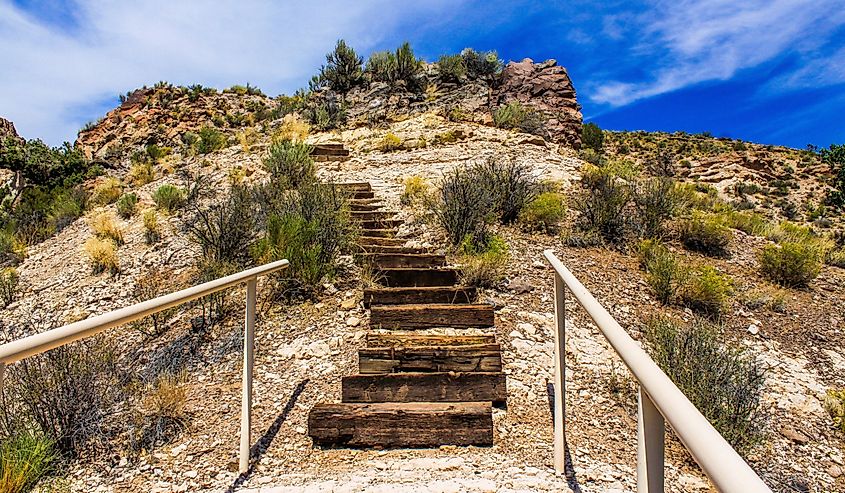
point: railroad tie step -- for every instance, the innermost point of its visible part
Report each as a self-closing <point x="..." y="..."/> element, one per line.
<point x="425" y="316"/>
<point x="367" y="241"/>
<point x="380" y="233"/>
<point x="354" y="186"/>
<point x="412" y="277"/>
<point x="427" y="295"/>
<point x="375" y="224"/>
<point x="477" y="358"/>
<point x="372" y="215"/>
<point x="389" y="425"/>
<point x="393" y="249"/>
<point x="408" y="260"/>
<point x="425" y="387"/>
<point x="412" y="339"/>
<point x="364" y="207"/>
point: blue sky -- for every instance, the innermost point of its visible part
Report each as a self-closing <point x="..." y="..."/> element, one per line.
<point x="770" y="71"/>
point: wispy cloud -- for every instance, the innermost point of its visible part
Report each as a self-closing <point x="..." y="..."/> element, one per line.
<point x="686" y="42"/>
<point x="110" y="47"/>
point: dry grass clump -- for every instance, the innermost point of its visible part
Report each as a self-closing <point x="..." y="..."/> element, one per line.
<point x="152" y="233"/>
<point x="107" y="191"/>
<point x="161" y="415"/>
<point x="103" y="226"/>
<point x="416" y="191"/>
<point x="103" y="255"/>
<point x="390" y="143"/>
<point x="292" y="128"/>
<point x="141" y="173"/>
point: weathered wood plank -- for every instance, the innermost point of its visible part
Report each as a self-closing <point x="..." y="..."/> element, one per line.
<point x="372" y="215"/>
<point x="365" y="248"/>
<point x="329" y="150"/>
<point x="358" y="207"/>
<point x="408" y="260"/>
<point x="397" y="278"/>
<point x="398" y="339"/>
<point x="379" y="224"/>
<point x="432" y="294"/>
<point x="361" y="194"/>
<point x="386" y="241"/>
<point x="425" y="387"/>
<point x="379" y="233"/>
<point x="431" y="315"/>
<point x="418" y="424"/>
<point x="483" y="358"/>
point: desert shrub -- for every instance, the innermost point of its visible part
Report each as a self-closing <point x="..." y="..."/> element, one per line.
<point x="516" y="116"/>
<point x="210" y="140"/>
<point x="460" y="206"/>
<point x="723" y="382"/>
<point x="416" y="191"/>
<point x="141" y="173"/>
<point x="657" y="200"/>
<point x="408" y="66"/>
<point x="790" y="232"/>
<point x="156" y="152"/>
<point x="663" y="271"/>
<point x="126" y="205"/>
<point x="225" y="231"/>
<point x="107" y="191"/>
<point x="483" y="265"/>
<point x="381" y="66"/>
<point x="834" y="404"/>
<point x="343" y="69"/>
<point x="309" y="226"/>
<point x="544" y="213"/>
<point x="325" y="114"/>
<point x="213" y="307"/>
<point x="509" y="183"/>
<point x="452" y="68"/>
<point x="390" y="143"/>
<point x="9" y="281"/>
<point x="292" y="128"/>
<point x="706" y="290"/>
<point x="162" y="413"/>
<point x="791" y="264"/>
<point x="481" y="65"/>
<point x="25" y="458"/>
<point x="836" y="258"/>
<point x="602" y="200"/>
<point x="290" y="163"/>
<point x="705" y="233"/>
<point x="151" y="284"/>
<point x="772" y="298"/>
<point x="592" y="137"/>
<point x="169" y="197"/>
<point x="834" y="157"/>
<point x="104" y="226"/>
<point x="64" y="393"/>
<point x="748" y="222"/>
<point x="151" y="229"/>
<point x="66" y="207"/>
<point x="103" y="255"/>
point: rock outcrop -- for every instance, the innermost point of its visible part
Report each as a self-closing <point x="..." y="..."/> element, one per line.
<point x="547" y="88"/>
<point x="7" y="129"/>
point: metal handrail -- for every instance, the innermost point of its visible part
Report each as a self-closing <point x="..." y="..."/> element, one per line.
<point x="659" y="398"/>
<point x="39" y="343"/>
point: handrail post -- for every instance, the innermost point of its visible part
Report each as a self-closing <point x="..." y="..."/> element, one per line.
<point x="650" y="435"/>
<point x="2" y="377"/>
<point x="560" y="376"/>
<point x="246" y="387"/>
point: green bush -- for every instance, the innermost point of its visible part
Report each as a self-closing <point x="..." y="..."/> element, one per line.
<point x="408" y="66"/>
<point x="705" y="233"/>
<point x="791" y="264"/>
<point x="834" y="404"/>
<point x="461" y="206"/>
<point x="25" y="458"/>
<point x="834" y="157"/>
<point x="544" y="213"/>
<point x="126" y="205"/>
<point x="9" y="281"/>
<point x="225" y="231"/>
<point x="416" y="191"/>
<point x="657" y="200"/>
<point x="602" y="201"/>
<point x="169" y="197"/>
<point x="381" y="66"/>
<point x="390" y="143"/>
<point x="509" y="183"/>
<point x="592" y="137"/>
<point x="663" y="272"/>
<point x="723" y="382"/>
<point x="481" y="65"/>
<point x="452" y="68"/>
<point x="343" y="70"/>
<point x="290" y="163"/>
<point x="706" y="290"/>
<point x="107" y="191"/>
<point x="483" y="266"/>
<point x="516" y="116"/>
<point x="67" y="206"/>
<point x="210" y="140"/>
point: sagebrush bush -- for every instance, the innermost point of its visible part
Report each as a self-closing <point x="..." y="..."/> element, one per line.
<point x="509" y="183"/>
<point x="483" y="265"/>
<point x="103" y="255"/>
<point x="705" y="233"/>
<point x="9" y="282"/>
<point x="169" y="198"/>
<point x="834" y="404"/>
<point x="657" y="200"/>
<point x="663" y="271"/>
<point x="107" y="191"/>
<point x="461" y="206"/>
<point x="290" y="163"/>
<point x="481" y="65"/>
<point x="706" y="290"/>
<point x="141" y="173"/>
<point x="126" y="205"/>
<point x="381" y="66"/>
<point x="416" y="191"/>
<point x="516" y="116"/>
<point x="791" y="264"/>
<point x="544" y="213"/>
<point x="225" y="231"/>
<point x="592" y="137"/>
<point x="151" y="229"/>
<point x="749" y="223"/>
<point x="25" y="458"/>
<point x="103" y="225"/>
<point x="390" y="143"/>
<point x="209" y="140"/>
<point x="723" y="382"/>
<point x="602" y="200"/>
<point x="451" y="68"/>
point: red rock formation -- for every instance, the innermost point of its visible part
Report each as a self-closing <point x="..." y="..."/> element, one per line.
<point x="7" y="129"/>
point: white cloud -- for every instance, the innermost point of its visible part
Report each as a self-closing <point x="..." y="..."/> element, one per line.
<point x="686" y="42"/>
<point x="49" y="73"/>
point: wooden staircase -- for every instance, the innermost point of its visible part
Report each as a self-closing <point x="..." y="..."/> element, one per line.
<point x="413" y="389"/>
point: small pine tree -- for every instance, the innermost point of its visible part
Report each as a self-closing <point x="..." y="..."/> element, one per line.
<point x="344" y="68"/>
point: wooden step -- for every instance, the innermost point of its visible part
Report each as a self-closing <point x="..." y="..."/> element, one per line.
<point x="366" y="241"/>
<point x="354" y="186"/>
<point x="409" y="260"/>
<point x="361" y="194"/>
<point x="425" y="387"/>
<point x="372" y="201"/>
<point x="405" y="296"/>
<point x="393" y="249"/>
<point x="416" y="424"/>
<point x="328" y="150"/>
<point x="483" y="358"/>
<point x="397" y="278"/>
<point x="372" y="215"/>
<point x="379" y="233"/>
<point x="356" y="207"/>
<point x="379" y="224"/>
<point x="432" y="315"/>
<point x="398" y="339"/>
